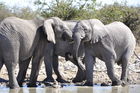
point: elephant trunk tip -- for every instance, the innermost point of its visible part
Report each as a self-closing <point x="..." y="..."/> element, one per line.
<point x="79" y="63"/>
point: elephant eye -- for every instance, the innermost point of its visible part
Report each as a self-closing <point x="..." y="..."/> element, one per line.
<point x="85" y="29"/>
<point x="61" y="26"/>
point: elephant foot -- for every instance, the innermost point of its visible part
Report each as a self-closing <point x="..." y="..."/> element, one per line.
<point x="48" y="80"/>
<point x="116" y="83"/>
<point x="13" y="87"/>
<point x="104" y="84"/>
<point x="31" y="85"/>
<point x="76" y="80"/>
<point x="87" y="83"/>
<point x="20" y="84"/>
<point x="61" y="80"/>
<point x="80" y="76"/>
<point x="124" y="82"/>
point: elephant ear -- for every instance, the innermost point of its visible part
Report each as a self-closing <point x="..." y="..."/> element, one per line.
<point x="49" y="30"/>
<point x="99" y="32"/>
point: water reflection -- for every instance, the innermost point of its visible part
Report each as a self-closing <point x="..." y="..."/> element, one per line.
<point x="76" y="89"/>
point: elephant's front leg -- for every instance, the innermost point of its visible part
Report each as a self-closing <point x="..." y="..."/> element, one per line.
<point x="110" y="71"/>
<point x="23" y="65"/>
<point x="89" y="63"/>
<point x="81" y="74"/>
<point x="36" y="64"/>
<point x="48" y="59"/>
<point x="56" y="70"/>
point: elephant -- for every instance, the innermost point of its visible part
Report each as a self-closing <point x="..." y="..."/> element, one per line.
<point x="62" y="48"/>
<point x="20" y="40"/>
<point x="111" y="43"/>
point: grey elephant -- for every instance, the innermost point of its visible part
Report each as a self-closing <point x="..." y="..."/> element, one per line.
<point x="19" y="42"/>
<point x="51" y="51"/>
<point x="111" y="43"/>
<point x="62" y="48"/>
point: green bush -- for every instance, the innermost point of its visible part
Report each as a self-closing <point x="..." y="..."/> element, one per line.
<point x="67" y="9"/>
<point x="4" y="11"/>
<point x="25" y="13"/>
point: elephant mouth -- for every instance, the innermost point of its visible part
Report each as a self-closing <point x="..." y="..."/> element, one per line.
<point x="68" y="56"/>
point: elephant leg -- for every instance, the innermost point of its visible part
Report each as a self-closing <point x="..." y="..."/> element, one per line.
<point x="11" y="59"/>
<point x="89" y="64"/>
<point x="48" y="59"/>
<point x="36" y="64"/>
<point x="124" y="71"/>
<point x="49" y="70"/>
<point x="80" y="76"/>
<point x="1" y="64"/>
<point x="56" y="70"/>
<point x="23" y="66"/>
<point x="11" y="65"/>
<point x="125" y="60"/>
<point x="110" y="72"/>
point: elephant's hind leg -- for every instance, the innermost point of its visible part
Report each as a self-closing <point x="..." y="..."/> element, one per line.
<point x="125" y="59"/>
<point x="10" y="64"/>
<point x="11" y="59"/>
<point x="23" y="66"/>
<point x="110" y="71"/>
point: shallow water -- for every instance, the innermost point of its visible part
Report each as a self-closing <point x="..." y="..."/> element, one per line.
<point x="76" y="89"/>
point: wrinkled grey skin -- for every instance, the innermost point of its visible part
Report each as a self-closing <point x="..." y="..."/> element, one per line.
<point x="111" y="43"/>
<point x="62" y="48"/>
<point x="20" y="40"/>
<point x="57" y="29"/>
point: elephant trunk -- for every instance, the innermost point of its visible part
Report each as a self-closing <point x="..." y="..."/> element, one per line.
<point x="77" y="41"/>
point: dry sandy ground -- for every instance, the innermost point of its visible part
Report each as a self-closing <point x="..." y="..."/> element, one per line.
<point x="68" y="70"/>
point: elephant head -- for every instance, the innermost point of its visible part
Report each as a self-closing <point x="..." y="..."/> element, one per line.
<point x="56" y="28"/>
<point x="91" y="31"/>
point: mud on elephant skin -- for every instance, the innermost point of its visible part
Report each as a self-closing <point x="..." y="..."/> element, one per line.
<point x="111" y="43"/>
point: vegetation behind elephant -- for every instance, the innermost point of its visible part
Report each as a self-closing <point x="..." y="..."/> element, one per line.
<point x="19" y="41"/>
<point x="62" y="48"/>
<point x="111" y="43"/>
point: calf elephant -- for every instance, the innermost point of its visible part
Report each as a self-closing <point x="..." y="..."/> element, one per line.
<point x="19" y="41"/>
<point x="111" y="43"/>
<point x="61" y="48"/>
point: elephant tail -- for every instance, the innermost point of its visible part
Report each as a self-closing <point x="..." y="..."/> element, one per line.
<point x="120" y="61"/>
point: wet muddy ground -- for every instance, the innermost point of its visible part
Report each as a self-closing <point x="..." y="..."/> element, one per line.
<point x="75" y="89"/>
